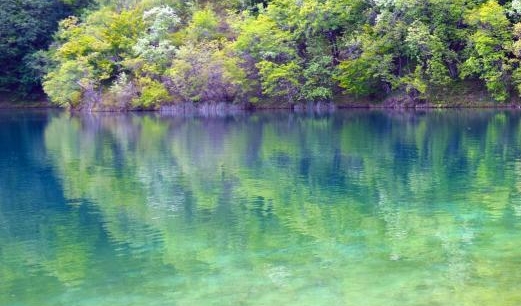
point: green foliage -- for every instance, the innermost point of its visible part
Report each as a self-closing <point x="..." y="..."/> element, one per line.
<point x="262" y="39"/>
<point x="203" y="72"/>
<point x="93" y="49"/>
<point x="279" y="80"/>
<point x="26" y="26"/>
<point x="284" y="50"/>
<point x="64" y="85"/>
<point x="151" y="93"/>
<point x="369" y="70"/>
<point x="357" y="76"/>
<point x="318" y="79"/>
<point x="414" y="83"/>
<point x="488" y="55"/>
<point x="203" y="26"/>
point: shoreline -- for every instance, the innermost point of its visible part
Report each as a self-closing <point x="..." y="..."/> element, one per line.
<point x="231" y="108"/>
<point x="30" y="104"/>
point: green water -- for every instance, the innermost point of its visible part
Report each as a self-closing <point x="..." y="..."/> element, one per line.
<point x="349" y="208"/>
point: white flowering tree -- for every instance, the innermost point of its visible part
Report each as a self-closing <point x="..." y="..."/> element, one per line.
<point x="155" y="47"/>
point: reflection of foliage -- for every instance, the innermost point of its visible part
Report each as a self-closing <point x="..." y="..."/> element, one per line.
<point x="399" y="192"/>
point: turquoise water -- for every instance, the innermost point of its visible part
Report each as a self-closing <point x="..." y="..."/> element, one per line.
<point x="349" y="208"/>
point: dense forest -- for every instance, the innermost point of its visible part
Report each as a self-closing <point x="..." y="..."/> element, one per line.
<point x="141" y="54"/>
<point x="26" y="31"/>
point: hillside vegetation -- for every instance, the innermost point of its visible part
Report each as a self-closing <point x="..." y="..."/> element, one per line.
<point x="141" y="54"/>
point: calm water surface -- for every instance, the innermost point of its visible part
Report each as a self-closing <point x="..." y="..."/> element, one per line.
<point x="350" y="208"/>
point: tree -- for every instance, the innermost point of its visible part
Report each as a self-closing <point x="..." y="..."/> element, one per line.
<point x="27" y="27"/>
<point x="487" y="48"/>
<point x="154" y="47"/>
<point x="90" y="54"/>
<point x="284" y="51"/>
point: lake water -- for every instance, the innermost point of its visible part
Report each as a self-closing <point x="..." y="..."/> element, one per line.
<point x="348" y="208"/>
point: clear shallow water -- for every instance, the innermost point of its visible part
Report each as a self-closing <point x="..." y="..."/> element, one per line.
<point x="352" y="208"/>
